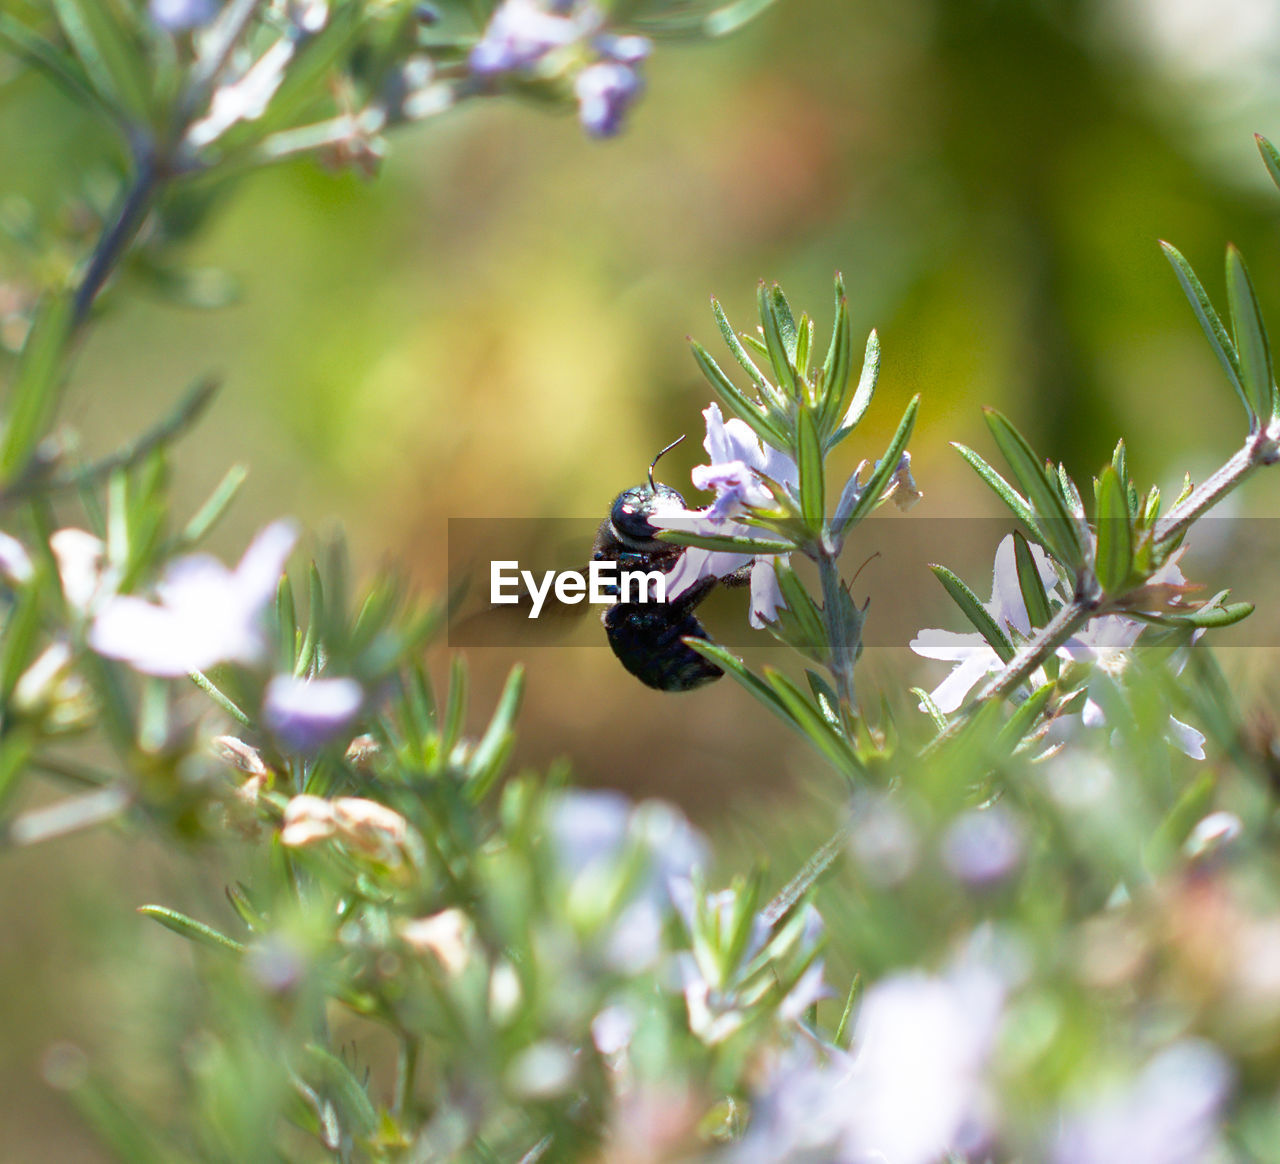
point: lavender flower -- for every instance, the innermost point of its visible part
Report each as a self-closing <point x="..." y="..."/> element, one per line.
<point x="1103" y="643"/>
<point x="206" y="614"/>
<point x="600" y="836"/>
<point x="973" y="655"/>
<point x="911" y="1090"/>
<point x="306" y="714"/>
<point x="737" y="474"/>
<point x="605" y="91"/>
<point x="522" y="32"/>
<point x="178" y="16"/>
<point x="983" y="846"/>
<point x="530" y="37"/>
<point x="1168" y="1115"/>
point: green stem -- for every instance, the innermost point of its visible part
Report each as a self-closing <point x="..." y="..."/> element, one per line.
<point x="118" y="236"/>
<point x="843" y="653"/>
<point x="1260" y="449"/>
<point x="406" y="1071"/>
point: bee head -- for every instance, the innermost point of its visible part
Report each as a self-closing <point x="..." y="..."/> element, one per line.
<point x="630" y="512"/>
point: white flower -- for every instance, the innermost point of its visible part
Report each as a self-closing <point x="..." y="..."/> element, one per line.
<point x="1104" y="643"/>
<point x="973" y="655"/>
<point x="1168" y="1115"/>
<point x="737" y="474"/>
<point x="86" y="579"/>
<point x="911" y="1089"/>
<point x="15" y="562"/>
<point x="206" y="614"/>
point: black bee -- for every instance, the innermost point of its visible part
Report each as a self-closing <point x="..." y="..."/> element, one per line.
<point x="646" y="636"/>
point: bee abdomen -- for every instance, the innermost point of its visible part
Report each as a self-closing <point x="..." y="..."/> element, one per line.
<point x="646" y="637"/>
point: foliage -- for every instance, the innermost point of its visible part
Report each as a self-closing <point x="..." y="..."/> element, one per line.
<point x="535" y="972"/>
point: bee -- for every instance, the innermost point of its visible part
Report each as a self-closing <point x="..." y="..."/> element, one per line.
<point x="647" y="637"/>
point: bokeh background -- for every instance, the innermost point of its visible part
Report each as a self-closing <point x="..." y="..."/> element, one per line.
<point x="495" y="327"/>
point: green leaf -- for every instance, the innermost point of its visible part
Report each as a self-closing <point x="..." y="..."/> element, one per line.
<point x="813" y="725"/>
<point x="739" y="352"/>
<point x="333" y="1078"/>
<point x="247" y="912"/>
<point x="804" y="344"/>
<point x="1114" y="557"/>
<point x="1024" y="718"/>
<point x="113" y="60"/>
<point x="1213" y="617"/>
<point x="838" y="366"/>
<point x="1058" y="527"/>
<point x="885" y="468"/>
<point x="1029" y="582"/>
<point x="191" y="929"/>
<point x="931" y="709"/>
<point x="18" y="642"/>
<point x="33" y="397"/>
<point x="779" y="331"/>
<point x="286" y="622"/>
<point x="729" y="544"/>
<point x="1251" y="337"/>
<point x="455" y="705"/>
<point x="761" y="423"/>
<point x="64" y="70"/>
<point x="1216" y="334"/>
<point x="1191" y="806"/>
<point x="975" y="612"/>
<point x="1002" y="489"/>
<point x="732" y="17"/>
<point x="495" y="744"/>
<point x="208" y="515"/>
<point x="738" y="670"/>
<point x="825" y="694"/>
<point x="863" y="393"/>
<point x="1034" y="595"/>
<point x="1270" y="158"/>
<point x="813" y="497"/>
<point x="315" y="618"/>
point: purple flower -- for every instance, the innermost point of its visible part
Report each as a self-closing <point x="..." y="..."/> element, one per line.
<point x="605" y="91"/>
<point x="983" y="846"/>
<point x="306" y="714"/>
<point x="520" y="33"/>
<point x="182" y="15"/>
<point x="911" y="1090"/>
<point x="595" y="835"/>
<point x="1168" y="1115"/>
<point x="206" y="614"/>
<point x="743" y="473"/>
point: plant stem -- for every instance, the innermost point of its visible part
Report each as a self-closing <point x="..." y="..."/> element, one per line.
<point x="406" y="1070"/>
<point x="1033" y="654"/>
<point x="843" y="653"/>
<point x="118" y="236"/>
<point x="1260" y="449"/>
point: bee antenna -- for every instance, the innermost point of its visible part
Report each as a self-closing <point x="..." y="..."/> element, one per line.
<point x="659" y="457"/>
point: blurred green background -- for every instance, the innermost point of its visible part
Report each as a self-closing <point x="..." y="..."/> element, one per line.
<point x="495" y="327"/>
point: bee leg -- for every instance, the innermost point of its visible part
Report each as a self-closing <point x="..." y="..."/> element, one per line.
<point x="695" y="594"/>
